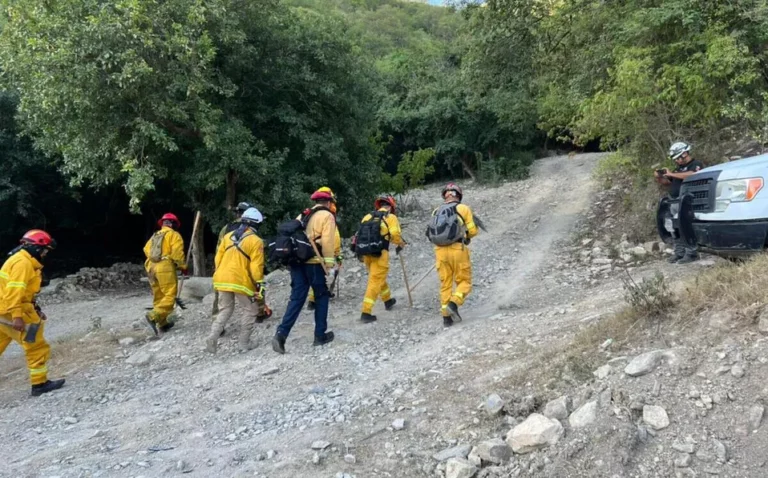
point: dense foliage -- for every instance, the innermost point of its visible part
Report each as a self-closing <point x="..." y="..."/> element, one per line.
<point x="202" y="103"/>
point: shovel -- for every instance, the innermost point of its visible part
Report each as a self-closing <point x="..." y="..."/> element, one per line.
<point x="180" y="302"/>
<point x="31" y="330"/>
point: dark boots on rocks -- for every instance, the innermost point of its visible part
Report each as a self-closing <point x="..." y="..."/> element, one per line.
<point x="326" y="339"/>
<point x="278" y="343"/>
<point x="46" y="387"/>
<point x="311" y="306"/>
<point x="390" y="303"/>
<point x="453" y="309"/>
<point x="447" y="321"/>
<point x="165" y="328"/>
<point x="367" y="318"/>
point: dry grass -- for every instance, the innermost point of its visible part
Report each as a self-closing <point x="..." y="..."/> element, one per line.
<point x="741" y="288"/>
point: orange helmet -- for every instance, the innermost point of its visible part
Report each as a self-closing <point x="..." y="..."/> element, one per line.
<point x="38" y="237"/>
<point x="169" y="217"/>
<point x="455" y="188"/>
<point x="324" y="194"/>
<point x="384" y="199"/>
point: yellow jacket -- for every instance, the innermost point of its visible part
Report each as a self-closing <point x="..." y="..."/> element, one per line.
<point x="173" y="248"/>
<point x="337" y="247"/>
<point x="321" y="229"/>
<point x="235" y="272"/>
<point x="390" y="227"/>
<point x="20" y="279"/>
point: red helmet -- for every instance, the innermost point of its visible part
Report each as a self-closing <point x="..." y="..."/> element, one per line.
<point x="38" y="237"/>
<point x="322" y="194"/>
<point x="455" y="188"/>
<point x="169" y="217"/>
<point x="384" y="199"/>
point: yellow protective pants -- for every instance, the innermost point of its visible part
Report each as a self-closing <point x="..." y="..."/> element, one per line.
<point x="454" y="266"/>
<point x="37" y="353"/>
<point x="378" y="268"/>
<point x="162" y="280"/>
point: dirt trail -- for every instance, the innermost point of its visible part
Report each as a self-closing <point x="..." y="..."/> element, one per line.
<point x="222" y="415"/>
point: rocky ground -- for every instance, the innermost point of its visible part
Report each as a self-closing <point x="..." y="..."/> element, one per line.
<point x="404" y="397"/>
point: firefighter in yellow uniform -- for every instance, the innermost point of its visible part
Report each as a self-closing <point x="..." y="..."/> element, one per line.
<point x="239" y="276"/>
<point x="165" y="255"/>
<point x="454" y="265"/>
<point x="22" y="320"/>
<point x="339" y="259"/>
<point x="378" y="265"/>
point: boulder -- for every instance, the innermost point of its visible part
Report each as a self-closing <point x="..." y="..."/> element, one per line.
<point x="459" y="468"/>
<point x="583" y="417"/>
<point x="558" y="408"/>
<point x="537" y="431"/>
<point x="494" y="451"/>
<point x="459" y="451"/>
<point x="493" y="405"/>
<point x="655" y="417"/>
<point x="647" y="362"/>
<point x="196" y="288"/>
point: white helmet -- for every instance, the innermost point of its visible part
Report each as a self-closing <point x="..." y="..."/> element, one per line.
<point x="252" y="216"/>
<point x="677" y="149"/>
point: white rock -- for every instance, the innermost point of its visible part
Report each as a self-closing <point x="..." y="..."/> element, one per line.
<point x="126" y="341"/>
<point x="584" y="416"/>
<point x="460" y="451"/>
<point x="398" y="424"/>
<point x="655" y="417"/>
<point x="459" y="468"/>
<point x="70" y="420"/>
<point x="320" y="444"/>
<point x="756" y="413"/>
<point x="142" y="357"/>
<point x="316" y="458"/>
<point x="270" y="371"/>
<point x="494" y="451"/>
<point x="647" y="362"/>
<point x="557" y="408"/>
<point x="683" y="460"/>
<point x="493" y="405"/>
<point x="638" y="251"/>
<point x="535" y="432"/>
<point x="737" y="370"/>
<point x="350" y="459"/>
<point x="603" y="372"/>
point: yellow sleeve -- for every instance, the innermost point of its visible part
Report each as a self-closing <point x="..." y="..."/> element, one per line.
<point x="148" y="246"/>
<point x="256" y="253"/>
<point x="20" y="277"/>
<point x="469" y="219"/>
<point x="176" y="254"/>
<point x="337" y="249"/>
<point x="220" y="251"/>
<point x="328" y="239"/>
<point x="395" y="233"/>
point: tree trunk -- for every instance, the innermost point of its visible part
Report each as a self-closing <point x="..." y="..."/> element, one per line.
<point x="231" y="189"/>
<point x="198" y="249"/>
<point x="467" y="168"/>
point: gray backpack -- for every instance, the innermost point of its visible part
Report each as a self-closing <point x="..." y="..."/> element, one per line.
<point x="446" y="226"/>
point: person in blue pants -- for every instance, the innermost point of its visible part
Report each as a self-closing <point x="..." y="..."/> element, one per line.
<point x="321" y="229"/>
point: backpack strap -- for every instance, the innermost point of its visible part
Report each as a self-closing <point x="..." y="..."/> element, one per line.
<point x="381" y="216"/>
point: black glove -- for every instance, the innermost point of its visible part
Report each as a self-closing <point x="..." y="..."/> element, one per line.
<point x="398" y="249"/>
<point x="467" y="241"/>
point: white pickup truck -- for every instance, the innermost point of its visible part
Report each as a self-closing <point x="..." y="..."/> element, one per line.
<point x="722" y="209"/>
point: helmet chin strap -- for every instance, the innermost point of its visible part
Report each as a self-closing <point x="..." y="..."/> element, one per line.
<point x="34" y="251"/>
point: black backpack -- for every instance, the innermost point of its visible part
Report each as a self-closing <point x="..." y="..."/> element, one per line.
<point x="292" y="246"/>
<point x="369" y="241"/>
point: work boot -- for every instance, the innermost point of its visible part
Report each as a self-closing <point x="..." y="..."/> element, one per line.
<point x="152" y="325"/>
<point x="310" y="306"/>
<point x="165" y="328"/>
<point x="211" y="344"/>
<point x="447" y="321"/>
<point x="367" y="318"/>
<point x="48" y="386"/>
<point x="688" y="259"/>
<point x="326" y="339"/>
<point x="453" y="309"/>
<point x="278" y="343"/>
<point x="674" y="259"/>
<point x="390" y="303"/>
